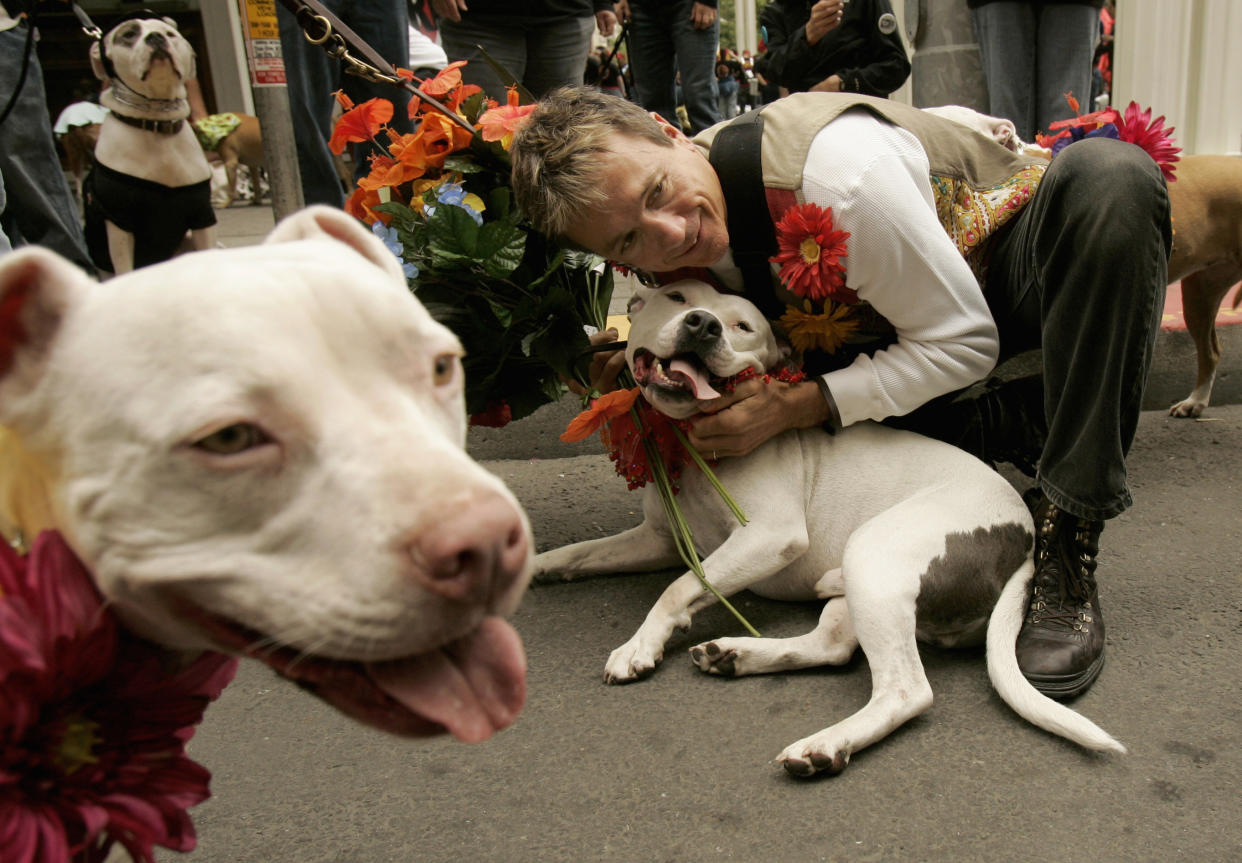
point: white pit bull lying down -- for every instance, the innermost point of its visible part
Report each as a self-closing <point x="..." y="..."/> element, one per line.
<point x="906" y="537"/>
<point x="260" y="451"/>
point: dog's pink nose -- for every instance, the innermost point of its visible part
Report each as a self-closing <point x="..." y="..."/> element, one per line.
<point x="473" y="552"/>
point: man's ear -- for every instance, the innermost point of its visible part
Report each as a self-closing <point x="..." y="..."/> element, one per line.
<point x="37" y="289"/>
<point x="672" y="130"/>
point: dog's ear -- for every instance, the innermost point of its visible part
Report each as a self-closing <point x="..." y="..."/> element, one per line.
<point x="37" y="289"/>
<point x="639" y="299"/>
<point x="326" y="222"/>
<point x="97" y="62"/>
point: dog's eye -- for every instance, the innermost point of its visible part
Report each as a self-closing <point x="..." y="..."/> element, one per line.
<point x="444" y="369"/>
<point x="745" y="327"/>
<point x="676" y="296"/>
<point x="233" y="439"/>
<point x="130" y="33"/>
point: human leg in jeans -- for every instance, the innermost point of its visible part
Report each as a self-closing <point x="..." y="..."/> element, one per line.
<point x="1081" y="273"/>
<point x="313" y="77"/>
<point x="1066" y="45"/>
<point x="1033" y="54"/>
<point x="652" y="58"/>
<point x="696" y="60"/>
<point x="1006" y="33"/>
<point x="541" y="53"/>
<point x="38" y="207"/>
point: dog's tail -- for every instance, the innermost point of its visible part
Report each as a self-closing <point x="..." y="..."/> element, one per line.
<point x="1016" y="690"/>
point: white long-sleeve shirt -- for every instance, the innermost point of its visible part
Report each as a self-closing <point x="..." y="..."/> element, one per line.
<point x="875" y="177"/>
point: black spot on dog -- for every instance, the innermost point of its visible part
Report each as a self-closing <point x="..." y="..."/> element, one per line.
<point x="962" y="584"/>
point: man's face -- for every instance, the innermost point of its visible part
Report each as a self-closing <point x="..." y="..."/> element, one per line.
<point x="665" y="207"/>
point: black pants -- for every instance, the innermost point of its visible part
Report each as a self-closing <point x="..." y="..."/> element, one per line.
<point x="1081" y="274"/>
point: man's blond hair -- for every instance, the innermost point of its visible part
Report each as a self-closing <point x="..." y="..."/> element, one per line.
<point x="559" y="154"/>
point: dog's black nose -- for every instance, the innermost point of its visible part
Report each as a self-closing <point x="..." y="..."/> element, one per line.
<point x="700" y="327"/>
<point x="156" y="40"/>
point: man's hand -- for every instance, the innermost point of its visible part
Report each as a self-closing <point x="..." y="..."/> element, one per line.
<point x="831" y="84"/>
<point x="753" y="413"/>
<point x="825" y="16"/>
<point x="450" y="9"/>
<point x="622" y="8"/>
<point x="606" y="22"/>
<point x="606" y="366"/>
<point x="702" y="16"/>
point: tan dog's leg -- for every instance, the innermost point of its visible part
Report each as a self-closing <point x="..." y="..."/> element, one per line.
<point x="1202" y="293"/>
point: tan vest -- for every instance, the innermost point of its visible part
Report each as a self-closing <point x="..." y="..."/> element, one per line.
<point x="978" y="185"/>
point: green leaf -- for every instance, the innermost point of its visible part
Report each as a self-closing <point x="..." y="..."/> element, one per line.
<point x="452" y="236"/>
<point x="501" y="247"/>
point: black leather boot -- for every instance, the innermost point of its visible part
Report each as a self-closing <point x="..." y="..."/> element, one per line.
<point x="1061" y="645"/>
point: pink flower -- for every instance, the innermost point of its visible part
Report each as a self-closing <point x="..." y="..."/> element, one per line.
<point x="1137" y="127"/>
<point x="93" y="725"/>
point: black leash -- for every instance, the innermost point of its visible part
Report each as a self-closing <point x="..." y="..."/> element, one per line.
<point x="322" y="28"/>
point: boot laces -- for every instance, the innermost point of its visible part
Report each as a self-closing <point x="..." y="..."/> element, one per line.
<point x="1065" y="561"/>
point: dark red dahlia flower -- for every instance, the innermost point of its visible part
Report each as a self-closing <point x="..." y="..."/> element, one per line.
<point x="93" y="722"/>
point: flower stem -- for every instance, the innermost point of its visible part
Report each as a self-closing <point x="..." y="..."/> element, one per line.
<point x="682" y="535"/>
<point x="711" y="477"/>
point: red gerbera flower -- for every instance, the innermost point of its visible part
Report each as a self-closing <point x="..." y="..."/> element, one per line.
<point x="92" y="725"/>
<point x="1137" y="127"/>
<point x="810" y="252"/>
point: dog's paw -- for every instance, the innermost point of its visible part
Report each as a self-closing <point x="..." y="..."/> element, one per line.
<point x="711" y="658"/>
<point x="632" y="661"/>
<point x="1188" y="408"/>
<point x="805" y="758"/>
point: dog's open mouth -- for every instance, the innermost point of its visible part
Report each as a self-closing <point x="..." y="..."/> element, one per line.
<point x="679" y="376"/>
<point x="471" y="687"/>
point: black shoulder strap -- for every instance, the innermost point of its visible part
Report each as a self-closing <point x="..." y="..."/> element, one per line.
<point x="752" y="237"/>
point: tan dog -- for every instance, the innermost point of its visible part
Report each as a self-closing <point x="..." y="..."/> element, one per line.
<point x="242" y="146"/>
<point x="1206" y="201"/>
<point x="1207" y="258"/>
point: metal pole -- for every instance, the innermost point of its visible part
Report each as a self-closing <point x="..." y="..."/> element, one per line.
<point x="261" y="33"/>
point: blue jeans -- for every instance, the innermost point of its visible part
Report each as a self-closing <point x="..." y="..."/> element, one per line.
<point x="40" y="209"/>
<point x="663" y="42"/>
<point x="728" y="98"/>
<point x="1033" y="54"/>
<point x="541" y="53"/>
<point x="313" y="76"/>
<point x="1092" y="298"/>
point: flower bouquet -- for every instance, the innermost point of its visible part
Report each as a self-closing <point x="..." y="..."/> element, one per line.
<point x="439" y="198"/>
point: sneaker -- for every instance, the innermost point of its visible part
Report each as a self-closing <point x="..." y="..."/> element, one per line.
<point x="1061" y="644"/>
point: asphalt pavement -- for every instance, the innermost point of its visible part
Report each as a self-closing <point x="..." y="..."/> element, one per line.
<point x="679" y="767"/>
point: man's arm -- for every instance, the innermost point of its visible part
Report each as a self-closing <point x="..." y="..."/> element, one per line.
<point x="789" y="58"/>
<point x="888" y="67"/>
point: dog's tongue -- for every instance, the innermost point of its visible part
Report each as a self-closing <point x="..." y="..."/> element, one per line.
<point x="702" y="389"/>
<point x="474" y="687"/>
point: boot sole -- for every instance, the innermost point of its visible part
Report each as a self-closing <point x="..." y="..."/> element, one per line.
<point x="1061" y="688"/>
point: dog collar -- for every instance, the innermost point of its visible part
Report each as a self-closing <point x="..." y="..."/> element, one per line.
<point x="161" y="127"/>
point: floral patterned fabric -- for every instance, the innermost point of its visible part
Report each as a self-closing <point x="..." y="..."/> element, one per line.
<point x="970" y="216"/>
